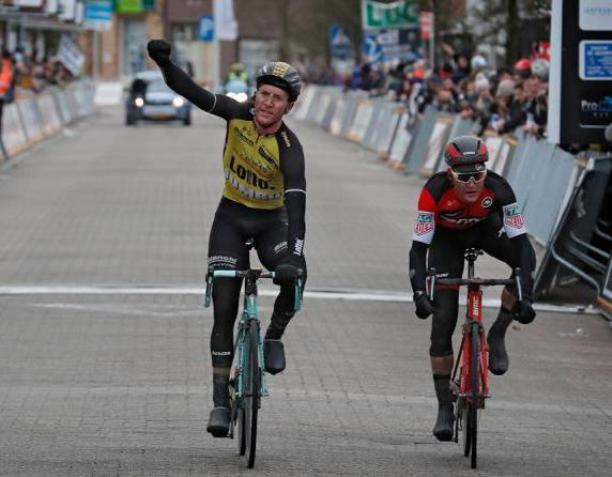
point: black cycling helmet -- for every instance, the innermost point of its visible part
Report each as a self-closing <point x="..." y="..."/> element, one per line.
<point x="283" y="76"/>
<point x="466" y="154"/>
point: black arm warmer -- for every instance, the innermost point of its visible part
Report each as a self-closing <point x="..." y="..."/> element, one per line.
<point x="296" y="210"/>
<point x="182" y="84"/>
<point x="523" y="250"/>
<point x="418" y="267"/>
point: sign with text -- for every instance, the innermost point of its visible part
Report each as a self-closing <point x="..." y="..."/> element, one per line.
<point x="69" y="55"/>
<point x="402" y="14"/>
<point x="596" y="60"/>
<point x="580" y="86"/>
<point x="99" y="14"/>
<point x="595" y="15"/>
<point x="386" y="45"/>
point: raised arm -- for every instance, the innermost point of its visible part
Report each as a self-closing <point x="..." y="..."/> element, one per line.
<point x="177" y="79"/>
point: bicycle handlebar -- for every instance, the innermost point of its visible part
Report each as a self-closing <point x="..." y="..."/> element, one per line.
<point x="481" y="282"/>
<point x="239" y="274"/>
<point x="212" y="274"/>
<point x="475" y="281"/>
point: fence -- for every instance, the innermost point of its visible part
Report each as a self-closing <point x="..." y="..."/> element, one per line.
<point x="543" y="176"/>
<point x="33" y="118"/>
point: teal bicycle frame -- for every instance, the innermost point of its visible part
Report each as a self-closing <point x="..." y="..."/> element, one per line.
<point x="243" y="392"/>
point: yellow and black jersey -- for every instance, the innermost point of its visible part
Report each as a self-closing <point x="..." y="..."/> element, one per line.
<point x="261" y="171"/>
<point x="258" y="169"/>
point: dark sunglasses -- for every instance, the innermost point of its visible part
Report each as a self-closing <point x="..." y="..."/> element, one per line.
<point x="476" y="176"/>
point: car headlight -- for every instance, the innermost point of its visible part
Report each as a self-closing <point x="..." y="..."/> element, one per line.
<point x="178" y="102"/>
<point x="139" y="102"/>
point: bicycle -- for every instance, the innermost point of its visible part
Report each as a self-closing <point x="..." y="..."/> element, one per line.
<point x="247" y="383"/>
<point x="470" y="384"/>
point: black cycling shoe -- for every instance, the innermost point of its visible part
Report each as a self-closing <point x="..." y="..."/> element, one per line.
<point x="274" y="356"/>
<point x="219" y="422"/>
<point x="498" y="357"/>
<point x="443" y="430"/>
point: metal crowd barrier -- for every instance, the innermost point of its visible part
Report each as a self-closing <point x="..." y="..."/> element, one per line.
<point x="541" y="174"/>
<point x="33" y="118"/>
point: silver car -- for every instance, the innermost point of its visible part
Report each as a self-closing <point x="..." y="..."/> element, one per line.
<point x="150" y="99"/>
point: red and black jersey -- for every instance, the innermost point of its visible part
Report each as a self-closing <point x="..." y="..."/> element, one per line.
<point x="439" y="206"/>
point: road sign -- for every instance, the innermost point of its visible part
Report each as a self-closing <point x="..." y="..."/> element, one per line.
<point x="206" y="28"/>
<point x="339" y="43"/>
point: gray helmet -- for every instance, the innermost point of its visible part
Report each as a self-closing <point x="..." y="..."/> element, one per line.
<point x="466" y="153"/>
<point x="283" y="76"/>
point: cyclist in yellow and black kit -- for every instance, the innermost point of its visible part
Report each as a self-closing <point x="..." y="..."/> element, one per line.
<point x="264" y="198"/>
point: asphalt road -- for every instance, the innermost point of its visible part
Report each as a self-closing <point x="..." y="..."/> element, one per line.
<point x="104" y="363"/>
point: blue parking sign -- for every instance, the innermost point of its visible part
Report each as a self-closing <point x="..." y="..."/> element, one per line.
<point x="206" y="28"/>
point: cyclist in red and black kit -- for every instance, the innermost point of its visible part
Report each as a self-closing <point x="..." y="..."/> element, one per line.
<point x="264" y="199"/>
<point x="467" y="206"/>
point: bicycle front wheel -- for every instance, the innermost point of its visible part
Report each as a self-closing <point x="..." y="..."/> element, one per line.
<point x="472" y="414"/>
<point x="465" y="426"/>
<point x="252" y="394"/>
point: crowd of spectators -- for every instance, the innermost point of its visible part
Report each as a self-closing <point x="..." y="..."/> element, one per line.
<point x="498" y="100"/>
<point x="29" y="72"/>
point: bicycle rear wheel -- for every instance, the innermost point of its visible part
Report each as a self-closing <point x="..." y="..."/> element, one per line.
<point x="252" y="392"/>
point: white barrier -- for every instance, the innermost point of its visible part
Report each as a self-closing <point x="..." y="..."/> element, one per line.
<point x="34" y="117"/>
<point x="31" y="119"/>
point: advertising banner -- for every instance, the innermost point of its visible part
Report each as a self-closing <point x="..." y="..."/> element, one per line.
<point x="70" y="55"/>
<point x="386" y="45"/>
<point x="580" y="98"/>
<point x="378" y="16"/>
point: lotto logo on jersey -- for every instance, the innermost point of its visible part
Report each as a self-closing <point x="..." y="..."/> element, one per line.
<point x="424" y="224"/>
<point x="513" y="217"/>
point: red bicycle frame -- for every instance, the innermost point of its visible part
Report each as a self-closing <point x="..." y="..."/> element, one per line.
<point x="474" y="317"/>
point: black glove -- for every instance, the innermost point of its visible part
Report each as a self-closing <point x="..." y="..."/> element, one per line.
<point x="424" y="307"/>
<point x="159" y="51"/>
<point x="285" y="274"/>
<point x="524" y="312"/>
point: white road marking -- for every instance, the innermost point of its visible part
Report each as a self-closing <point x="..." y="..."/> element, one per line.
<point x="322" y="294"/>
